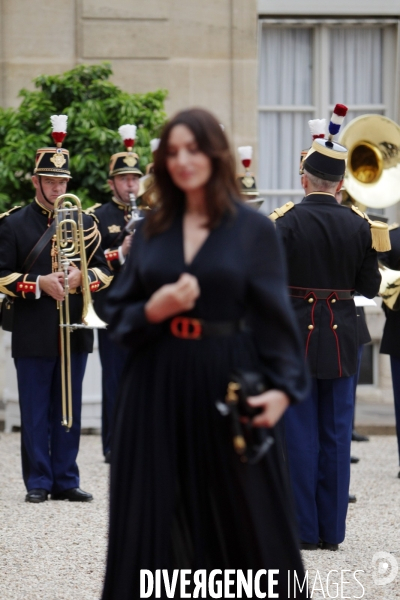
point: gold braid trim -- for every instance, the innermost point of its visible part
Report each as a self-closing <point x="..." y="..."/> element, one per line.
<point x="105" y="279"/>
<point x="97" y="245"/>
<point x="92" y="232"/>
<point x="4" y="281"/>
<point x="6" y="214"/>
<point x="91" y="209"/>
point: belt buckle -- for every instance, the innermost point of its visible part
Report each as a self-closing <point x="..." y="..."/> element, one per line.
<point x="186" y="328"/>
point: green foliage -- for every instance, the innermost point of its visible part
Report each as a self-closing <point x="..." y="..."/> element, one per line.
<point x="95" y="108"/>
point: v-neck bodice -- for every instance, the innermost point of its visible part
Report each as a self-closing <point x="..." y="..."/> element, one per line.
<point x="220" y="264"/>
<point x="199" y="249"/>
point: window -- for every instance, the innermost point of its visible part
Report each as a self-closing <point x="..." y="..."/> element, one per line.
<point x="305" y="68"/>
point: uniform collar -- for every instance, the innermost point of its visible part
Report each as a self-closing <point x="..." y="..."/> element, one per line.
<point x="320" y="197"/>
<point x="38" y="206"/>
<point x="121" y="205"/>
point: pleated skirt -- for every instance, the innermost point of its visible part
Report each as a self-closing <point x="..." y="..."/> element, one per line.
<point x="180" y="497"/>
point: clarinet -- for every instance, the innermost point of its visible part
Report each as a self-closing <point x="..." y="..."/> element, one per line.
<point x="132" y="223"/>
<point x="135" y="215"/>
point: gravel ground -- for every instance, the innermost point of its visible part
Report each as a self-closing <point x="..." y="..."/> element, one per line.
<point x="52" y="550"/>
<point x="56" y="550"/>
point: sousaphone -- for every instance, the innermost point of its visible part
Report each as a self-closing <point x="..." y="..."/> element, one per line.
<point x="373" y="178"/>
<point x="373" y="165"/>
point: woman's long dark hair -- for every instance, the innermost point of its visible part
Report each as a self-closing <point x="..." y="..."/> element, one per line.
<point x="221" y="189"/>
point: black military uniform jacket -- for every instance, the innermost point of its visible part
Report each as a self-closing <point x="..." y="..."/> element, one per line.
<point x="36" y="321"/>
<point x="112" y="218"/>
<point x="328" y="247"/>
<point x="391" y="333"/>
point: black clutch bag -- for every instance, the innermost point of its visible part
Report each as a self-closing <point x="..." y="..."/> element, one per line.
<point x="243" y="384"/>
<point x="250" y="443"/>
<point x="7" y="313"/>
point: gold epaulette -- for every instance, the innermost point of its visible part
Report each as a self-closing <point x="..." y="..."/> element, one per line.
<point x="393" y="226"/>
<point x="91" y="214"/>
<point x="91" y="209"/>
<point x="10" y="211"/>
<point x="379" y="232"/>
<point x="281" y="211"/>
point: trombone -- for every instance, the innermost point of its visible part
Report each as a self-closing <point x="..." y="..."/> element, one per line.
<point x="70" y="248"/>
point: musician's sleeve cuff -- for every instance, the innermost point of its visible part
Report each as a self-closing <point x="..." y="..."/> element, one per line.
<point x="121" y="256"/>
<point x="113" y="259"/>
<point x="27" y="287"/>
<point x="111" y="255"/>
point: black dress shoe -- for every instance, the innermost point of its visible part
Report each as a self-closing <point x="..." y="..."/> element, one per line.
<point x="307" y="546"/>
<point x="352" y="498"/>
<point x="36" y="496"/>
<point x="73" y="495"/>
<point x="328" y="546"/>
<point x="354" y="460"/>
<point x="107" y="458"/>
<point x="357" y="437"/>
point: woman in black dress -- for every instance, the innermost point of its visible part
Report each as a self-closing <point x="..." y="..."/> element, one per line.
<point x="180" y="496"/>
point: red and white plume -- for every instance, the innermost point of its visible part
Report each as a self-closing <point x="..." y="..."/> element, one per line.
<point x="317" y="128"/>
<point x="246" y="154"/>
<point x="59" y="128"/>
<point x="128" y="134"/>
<point x="337" y="118"/>
<point x="154" y="144"/>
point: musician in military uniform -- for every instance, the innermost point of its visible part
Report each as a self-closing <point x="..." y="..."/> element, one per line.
<point x="391" y="334"/>
<point x="330" y="254"/>
<point x="147" y="196"/>
<point x="124" y="175"/>
<point x="30" y="276"/>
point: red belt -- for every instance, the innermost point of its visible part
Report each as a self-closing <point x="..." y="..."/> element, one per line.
<point x="195" y="329"/>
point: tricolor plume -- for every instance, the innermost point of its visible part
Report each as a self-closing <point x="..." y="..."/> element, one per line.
<point x="154" y="144"/>
<point x="337" y="118"/>
<point x="59" y="128"/>
<point x="317" y="128"/>
<point x="245" y="153"/>
<point x="128" y="134"/>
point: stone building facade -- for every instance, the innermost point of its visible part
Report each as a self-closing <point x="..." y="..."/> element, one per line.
<point x="204" y="53"/>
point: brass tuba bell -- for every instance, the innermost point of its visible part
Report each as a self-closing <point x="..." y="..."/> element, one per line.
<point x="373" y="178"/>
<point x="373" y="165"/>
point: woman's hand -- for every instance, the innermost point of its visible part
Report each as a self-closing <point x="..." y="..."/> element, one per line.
<point x="173" y="299"/>
<point x="273" y="404"/>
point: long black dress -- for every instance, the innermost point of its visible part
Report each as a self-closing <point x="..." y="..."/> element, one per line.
<point x="180" y="497"/>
